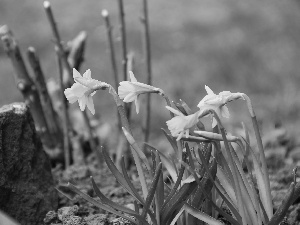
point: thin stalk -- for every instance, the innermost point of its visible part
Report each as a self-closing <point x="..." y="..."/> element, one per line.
<point x="39" y="80"/>
<point x="125" y="124"/>
<point x="262" y="156"/>
<point x="123" y="34"/>
<point x="65" y="61"/>
<point x="168" y="102"/>
<point x="145" y="22"/>
<point x="109" y="28"/>
<point x="65" y="118"/>
<point x="25" y="84"/>
<point x="233" y="168"/>
<point x="57" y="38"/>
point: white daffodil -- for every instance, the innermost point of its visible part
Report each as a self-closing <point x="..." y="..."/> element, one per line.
<point x="214" y="102"/>
<point x="83" y="89"/>
<point x="218" y="102"/>
<point x="180" y="124"/>
<point x="130" y="90"/>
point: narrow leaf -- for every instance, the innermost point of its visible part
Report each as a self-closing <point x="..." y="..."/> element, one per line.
<point x="136" y="148"/>
<point x="130" y="185"/>
<point x="283" y="208"/>
<point x="201" y="216"/>
<point x="118" y="175"/>
<point x="172" y="141"/>
<point x="167" y="163"/>
<point x="99" y="204"/>
<point x="152" y="190"/>
<point x="107" y="201"/>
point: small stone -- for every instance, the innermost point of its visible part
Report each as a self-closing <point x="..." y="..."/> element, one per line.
<point x="67" y="212"/>
<point x="96" y="219"/>
<point x="50" y="217"/>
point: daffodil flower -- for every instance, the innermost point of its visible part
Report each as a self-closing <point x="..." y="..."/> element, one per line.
<point x="214" y="102"/>
<point x="83" y="89"/>
<point x="130" y="90"/>
<point x="180" y="124"/>
<point x="218" y="102"/>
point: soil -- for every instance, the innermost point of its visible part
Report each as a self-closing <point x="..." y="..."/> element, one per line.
<point x="282" y="153"/>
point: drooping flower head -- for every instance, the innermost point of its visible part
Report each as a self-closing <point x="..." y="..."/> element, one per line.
<point x="218" y="102"/>
<point x="83" y="89"/>
<point x="130" y="90"/>
<point x="180" y="124"/>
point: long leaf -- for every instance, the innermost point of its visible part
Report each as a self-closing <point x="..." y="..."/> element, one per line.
<point x="222" y="193"/>
<point x="201" y="216"/>
<point x="228" y="217"/>
<point x="177" y="201"/>
<point x="167" y="163"/>
<point x="159" y="195"/>
<point x="249" y="194"/>
<point x="118" y="175"/>
<point x="98" y="204"/>
<point x="177" y="216"/>
<point x="130" y="185"/>
<point x="137" y="149"/>
<point x="112" y="204"/>
<point x="177" y="183"/>
<point x="152" y="190"/>
<point x="261" y="184"/>
<point x="283" y="208"/>
<point x="172" y="141"/>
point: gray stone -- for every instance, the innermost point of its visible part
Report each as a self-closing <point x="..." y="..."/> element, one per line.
<point x="27" y="190"/>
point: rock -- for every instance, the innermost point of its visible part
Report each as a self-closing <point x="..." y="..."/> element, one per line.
<point x="67" y="212"/>
<point x="27" y="190"/>
<point x="51" y="217"/>
<point x="97" y="219"/>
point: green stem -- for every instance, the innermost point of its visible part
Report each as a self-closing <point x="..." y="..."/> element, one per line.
<point x="145" y="22"/>
<point x="125" y="124"/>
<point x="162" y="93"/>
<point x="233" y="169"/>
<point x="262" y="156"/>
<point x="112" y="53"/>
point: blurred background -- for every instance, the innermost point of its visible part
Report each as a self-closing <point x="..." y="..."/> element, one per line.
<point x="235" y="45"/>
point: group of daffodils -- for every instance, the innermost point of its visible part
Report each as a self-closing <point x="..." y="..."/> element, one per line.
<point x="85" y="87"/>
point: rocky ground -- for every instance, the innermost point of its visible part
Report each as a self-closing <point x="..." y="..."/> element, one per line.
<point x="282" y="153"/>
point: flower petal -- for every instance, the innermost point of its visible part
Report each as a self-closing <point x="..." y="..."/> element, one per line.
<point x="130" y="97"/>
<point x="90" y="104"/>
<point x="176" y="112"/>
<point x="76" y="74"/>
<point x="179" y="136"/>
<point x="70" y="95"/>
<point x="124" y="89"/>
<point x="132" y="77"/>
<point x="79" y="90"/>
<point x="224" y="111"/>
<point x="209" y="91"/>
<point x="87" y="74"/>
<point x="82" y="102"/>
<point x="137" y="105"/>
<point x="176" y="125"/>
<point x="214" y="122"/>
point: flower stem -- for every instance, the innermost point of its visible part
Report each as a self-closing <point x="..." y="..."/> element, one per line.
<point x="262" y="155"/>
<point x="233" y="169"/>
<point x="126" y="125"/>
<point x="162" y="93"/>
<point x="57" y="38"/>
<point x="145" y="22"/>
<point x="39" y="80"/>
<point x="65" y="115"/>
<point x="123" y="34"/>
<point x="109" y="28"/>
